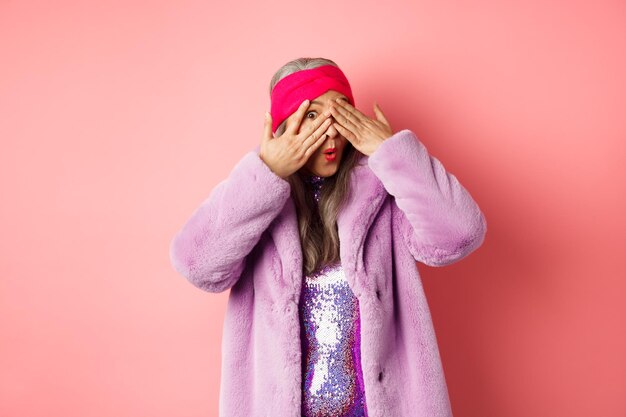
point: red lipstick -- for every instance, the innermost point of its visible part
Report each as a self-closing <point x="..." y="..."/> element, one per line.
<point x="330" y="154"/>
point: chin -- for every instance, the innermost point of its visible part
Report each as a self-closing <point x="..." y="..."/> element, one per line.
<point x="327" y="171"/>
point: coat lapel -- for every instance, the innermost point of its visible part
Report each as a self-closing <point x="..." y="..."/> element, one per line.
<point x="364" y="200"/>
<point x="366" y="197"/>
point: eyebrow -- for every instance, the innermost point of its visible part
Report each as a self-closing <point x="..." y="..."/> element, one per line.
<point x="319" y="102"/>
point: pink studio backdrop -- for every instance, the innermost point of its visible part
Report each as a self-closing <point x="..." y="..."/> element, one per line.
<point x="118" y="118"/>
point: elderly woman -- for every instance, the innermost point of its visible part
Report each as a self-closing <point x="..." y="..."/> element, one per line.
<point x="316" y="232"/>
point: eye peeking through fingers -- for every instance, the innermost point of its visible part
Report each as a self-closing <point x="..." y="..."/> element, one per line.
<point x="311" y="112"/>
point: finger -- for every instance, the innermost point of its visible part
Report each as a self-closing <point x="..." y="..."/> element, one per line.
<point x="299" y="114"/>
<point x="379" y="114"/>
<point x="342" y="116"/>
<point x="313" y="147"/>
<point x="350" y="110"/>
<point x="319" y="120"/>
<point x="346" y="133"/>
<point x="312" y="139"/>
<point x="267" y="130"/>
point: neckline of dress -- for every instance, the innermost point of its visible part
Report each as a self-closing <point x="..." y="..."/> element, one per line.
<point x="315" y="182"/>
<point x="314" y="179"/>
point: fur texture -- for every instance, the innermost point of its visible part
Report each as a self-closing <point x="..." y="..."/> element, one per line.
<point x="403" y="207"/>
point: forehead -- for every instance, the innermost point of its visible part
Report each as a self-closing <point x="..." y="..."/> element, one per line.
<point x="329" y="95"/>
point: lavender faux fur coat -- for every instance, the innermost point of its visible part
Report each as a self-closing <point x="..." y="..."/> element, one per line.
<point x="403" y="207"/>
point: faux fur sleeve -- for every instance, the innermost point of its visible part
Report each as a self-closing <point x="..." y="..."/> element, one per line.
<point x="438" y="218"/>
<point x="211" y="247"/>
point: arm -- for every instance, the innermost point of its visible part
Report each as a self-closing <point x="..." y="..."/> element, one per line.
<point x="211" y="247"/>
<point x="438" y="218"/>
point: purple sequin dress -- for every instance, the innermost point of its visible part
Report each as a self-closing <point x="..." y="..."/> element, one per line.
<point x="331" y="343"/>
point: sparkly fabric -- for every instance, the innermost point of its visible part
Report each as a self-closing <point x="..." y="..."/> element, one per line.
<point x="329" y="313"/>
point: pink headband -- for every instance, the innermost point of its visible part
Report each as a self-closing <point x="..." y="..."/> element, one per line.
<point x="292" y="90"/>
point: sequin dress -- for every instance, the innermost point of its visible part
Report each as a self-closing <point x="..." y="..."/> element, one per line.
<point x="331" y="341"/>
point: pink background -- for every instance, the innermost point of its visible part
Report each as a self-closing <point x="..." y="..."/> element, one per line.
<point x="117" y="118"/>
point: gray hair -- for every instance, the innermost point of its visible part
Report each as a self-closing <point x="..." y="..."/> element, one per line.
<point x="295" y="66"/>
<point x="317" y="223"/>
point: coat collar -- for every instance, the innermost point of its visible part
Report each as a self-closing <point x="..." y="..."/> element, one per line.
<point x="365" y="197"/>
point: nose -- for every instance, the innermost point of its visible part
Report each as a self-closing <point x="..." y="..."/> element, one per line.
<point x="332" y="130"/>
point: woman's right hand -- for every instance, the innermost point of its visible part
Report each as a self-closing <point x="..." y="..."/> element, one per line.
<point x="287" y="153"/>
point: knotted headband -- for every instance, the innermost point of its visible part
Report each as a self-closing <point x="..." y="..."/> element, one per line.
<point x="293" y="89"/>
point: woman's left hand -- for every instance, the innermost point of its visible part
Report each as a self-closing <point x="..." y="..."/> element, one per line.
<point x="364" y="133"/>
